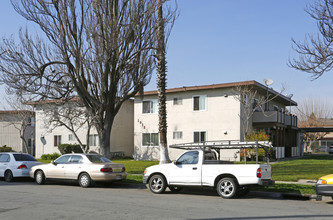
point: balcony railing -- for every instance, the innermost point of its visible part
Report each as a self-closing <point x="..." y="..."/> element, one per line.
<point x="274" y="117"/>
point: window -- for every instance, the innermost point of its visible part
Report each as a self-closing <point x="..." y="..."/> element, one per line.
<point x="70" y="137"/>
<point x="275" y="108"/>
<point x="150" y="139"/>
<point x="93" y="140"/>
<point x="75" y="159"/>
<point x="177" y="101"/>
<point x="177" y="135"/>
<point x="199" y="103"/>
<point x="199" y="136"/>
<point x="98" y="159"/>
<point x="57" y="140"/>
<point x="149" y="106"/>
<point x="63" y="159"/>
<point x="23" y="157"/>
<point x="191" y="157"/>
<point x="4" y="158"/>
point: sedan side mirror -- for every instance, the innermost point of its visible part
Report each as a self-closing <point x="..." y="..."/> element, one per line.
<point x="54" y="163"/>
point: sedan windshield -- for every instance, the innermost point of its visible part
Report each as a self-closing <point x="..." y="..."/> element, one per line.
<point x="98" y="159"/>
<point x="23" y="157"/>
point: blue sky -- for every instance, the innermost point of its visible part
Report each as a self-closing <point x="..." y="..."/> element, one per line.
<point x="220" y="41"/>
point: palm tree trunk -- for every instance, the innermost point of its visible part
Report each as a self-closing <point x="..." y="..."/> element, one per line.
<point x="161" y="82"/>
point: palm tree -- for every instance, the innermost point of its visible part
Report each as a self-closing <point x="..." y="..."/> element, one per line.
<point x="161" y="84"/>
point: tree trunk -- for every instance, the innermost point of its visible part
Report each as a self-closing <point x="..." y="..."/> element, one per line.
<point x="161" y="82"/>
<point x="105" y="136"/>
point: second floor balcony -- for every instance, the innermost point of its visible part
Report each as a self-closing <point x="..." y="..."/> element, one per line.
<point x="275" y="117"/>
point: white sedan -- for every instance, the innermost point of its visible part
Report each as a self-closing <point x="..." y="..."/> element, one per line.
<point x="14" y="165"/>
<point x="84" y="168"/>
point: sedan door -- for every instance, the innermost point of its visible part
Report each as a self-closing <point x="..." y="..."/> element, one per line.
<point x="4" y="163"/>
<point x="186" y="170"/>
<point x="74" y="167"/>
<point x="56" y="170"/>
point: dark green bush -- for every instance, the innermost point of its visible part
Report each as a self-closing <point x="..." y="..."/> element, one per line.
<point x="69" y="148"/>
<point x="50" y="156"/>
<point x="5" y="148"/>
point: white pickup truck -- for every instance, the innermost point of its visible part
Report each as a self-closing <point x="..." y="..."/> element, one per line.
<point x="201" y="168"/>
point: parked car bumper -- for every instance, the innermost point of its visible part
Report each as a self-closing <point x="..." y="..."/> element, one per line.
<point x="108" y="176"/>
<point x="21" y="173"/>
<point x="324" y="189"/>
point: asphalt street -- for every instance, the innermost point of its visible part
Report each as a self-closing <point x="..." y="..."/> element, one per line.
<point x="27" y="200"/>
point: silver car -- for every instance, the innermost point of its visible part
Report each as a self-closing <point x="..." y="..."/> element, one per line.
<point x="14" y="165"/>
<point x="84" y="168"/>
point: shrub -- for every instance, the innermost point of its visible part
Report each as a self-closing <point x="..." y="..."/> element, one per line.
<point x="5" y="148"/>
<point x="69" y="148"/>
<point x="50" y="156"/>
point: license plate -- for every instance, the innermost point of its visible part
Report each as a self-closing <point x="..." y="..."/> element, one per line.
<point x="118" y="177"/>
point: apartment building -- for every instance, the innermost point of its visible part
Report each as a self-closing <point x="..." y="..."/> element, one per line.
<point x="213" y="113"/>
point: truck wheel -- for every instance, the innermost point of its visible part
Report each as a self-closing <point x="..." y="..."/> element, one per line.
<point x="227" y="188"/>
<point x="157" y="184"/>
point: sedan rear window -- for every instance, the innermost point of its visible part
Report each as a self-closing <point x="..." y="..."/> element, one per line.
<point x="98" y="159"/>
<point x="23" y="157"/>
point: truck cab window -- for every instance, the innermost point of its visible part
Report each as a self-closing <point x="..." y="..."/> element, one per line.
<point x="191" y="157"/>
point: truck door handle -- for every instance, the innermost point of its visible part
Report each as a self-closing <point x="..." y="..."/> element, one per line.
<point x="194" y="168"/>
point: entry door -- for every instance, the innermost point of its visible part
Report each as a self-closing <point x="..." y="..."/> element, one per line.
<point x="186" y="170"/>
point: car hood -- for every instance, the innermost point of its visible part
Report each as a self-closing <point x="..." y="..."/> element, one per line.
<point x="328" y="178"/>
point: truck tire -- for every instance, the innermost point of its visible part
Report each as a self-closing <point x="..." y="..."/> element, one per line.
<point x="227" y="188"/>
<point x="157" y="184"/>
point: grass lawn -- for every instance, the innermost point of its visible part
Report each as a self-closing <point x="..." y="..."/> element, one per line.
<point x="309" y="167"/>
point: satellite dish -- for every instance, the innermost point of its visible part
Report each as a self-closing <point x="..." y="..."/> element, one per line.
<point x="290" y="95"/>
<point x="268" y="82"/>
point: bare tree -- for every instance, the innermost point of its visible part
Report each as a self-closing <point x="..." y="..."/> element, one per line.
<point x="21" y="118"/>
<point x="313" y="112"/>
<point x="71" y="115"/>
<point x="251" y="101"/>
<point x="316" y="52"/>
<point x="101" y="51"/>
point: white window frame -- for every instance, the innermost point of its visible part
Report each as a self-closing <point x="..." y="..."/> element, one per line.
<point x="200" y="98"/>
<point x="200" y="141"/>
<point x="153" y="108"/>
<point x="151" y="144"/>
<point x="177" y="101"/>
<point x="177" y="135"/>
<point x="93" y="140"/>
<point x="56" y="140"/>
<point x="70" y="137"/>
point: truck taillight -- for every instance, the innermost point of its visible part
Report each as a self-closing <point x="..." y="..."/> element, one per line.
<point x="22" y="166"/>
<point x="123" y="169"/>
<point x="106" y="169"/>
<point x="259" y="172"/>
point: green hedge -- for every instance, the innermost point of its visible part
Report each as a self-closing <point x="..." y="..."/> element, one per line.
<point x="50" y="156"/>
<point x="69" y="148"/>
<point x="5" y="148"/>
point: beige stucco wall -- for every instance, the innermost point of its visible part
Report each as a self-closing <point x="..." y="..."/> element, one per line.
<point x="121" y="134"/>
<point x="10" y="136"/>
<point x="221" y="116"/>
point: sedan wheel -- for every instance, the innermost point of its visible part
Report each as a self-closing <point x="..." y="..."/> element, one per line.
<point x="40" y="177"/>
<point x="84" y="180"/>
<point x="8" y="176"/>
<point x="157" y="184"/>
<point x="227" y="188"/>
